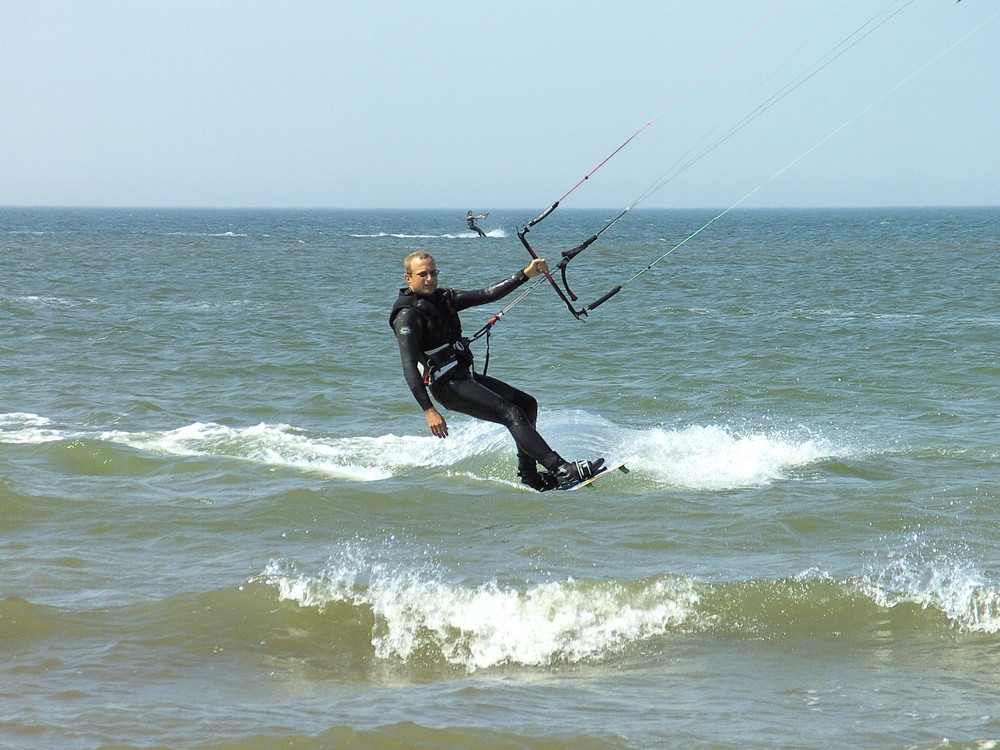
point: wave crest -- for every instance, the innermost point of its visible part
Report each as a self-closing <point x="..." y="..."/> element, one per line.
<point x="699" y="457"/>
<point x="419" y="617"/>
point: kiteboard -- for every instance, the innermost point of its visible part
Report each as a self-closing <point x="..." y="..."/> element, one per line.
<point x="620" y="466"/>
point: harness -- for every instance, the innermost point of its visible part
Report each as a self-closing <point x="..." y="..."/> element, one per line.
<point x="443" y="325"/>
<point x="444" y="359"/>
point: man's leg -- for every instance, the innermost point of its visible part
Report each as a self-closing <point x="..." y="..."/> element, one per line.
<point x="494" y="401"/>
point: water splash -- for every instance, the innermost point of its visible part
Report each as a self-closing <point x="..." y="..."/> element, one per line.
<point x="419" y="615"/>
<point x="933" y="575"/>
<point x="713" y="457"/>
<point x="701" y="457"/>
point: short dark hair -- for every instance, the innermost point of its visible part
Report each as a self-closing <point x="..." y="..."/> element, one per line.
<point x="418" y="255"/>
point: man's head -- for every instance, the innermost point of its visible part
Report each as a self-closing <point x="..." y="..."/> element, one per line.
<point x="420" y="273"/>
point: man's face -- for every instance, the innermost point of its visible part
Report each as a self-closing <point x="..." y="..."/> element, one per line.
<point x="423" y="276"/>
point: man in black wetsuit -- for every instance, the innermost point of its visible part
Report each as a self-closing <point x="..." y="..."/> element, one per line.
<point x="471" y="221"/>
<point x="429" y="331"/>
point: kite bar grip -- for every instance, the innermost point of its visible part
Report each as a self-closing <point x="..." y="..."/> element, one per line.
<point x="544" y="213"/>
<point x="568" y="255"/>
<point x="605" y="298"/>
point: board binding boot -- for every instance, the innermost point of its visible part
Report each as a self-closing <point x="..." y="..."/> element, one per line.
<point x="573" y="473"/>
<point x="541" y="481"/>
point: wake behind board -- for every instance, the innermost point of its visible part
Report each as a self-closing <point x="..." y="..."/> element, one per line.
<point x="604" y="472"/>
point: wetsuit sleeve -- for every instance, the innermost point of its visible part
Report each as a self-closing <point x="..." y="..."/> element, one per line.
<point x="408" y="326"/>
<point x="462" y="300"/>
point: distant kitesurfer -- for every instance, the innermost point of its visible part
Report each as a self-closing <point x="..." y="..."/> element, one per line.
<point x="437" y="359"/>
<point x="471" y="220"/>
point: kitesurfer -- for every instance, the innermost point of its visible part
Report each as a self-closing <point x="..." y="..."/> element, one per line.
<point x="471" y="220"/>
<point x="437" y="359"/>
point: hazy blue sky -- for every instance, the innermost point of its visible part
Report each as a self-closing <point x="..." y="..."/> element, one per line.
<point x="489" y="105"/>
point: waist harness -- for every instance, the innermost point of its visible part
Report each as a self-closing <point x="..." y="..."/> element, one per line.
<point x="442" y="361"/>
<point x="447" y="350"/>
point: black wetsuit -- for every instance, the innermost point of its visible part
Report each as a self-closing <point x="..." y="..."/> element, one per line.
<point x="474" y="228"/>
<point x="424" y="323"/>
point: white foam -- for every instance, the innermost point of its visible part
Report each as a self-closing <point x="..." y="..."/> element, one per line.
<point x="46" y="301"/>
<point x="715" y="458"/>
<point x="491" y="625"/>
<point x="277" y="445"/>
<point x="26" y="428"/>
<point x="460" y="236"/>
<point x="359" y="458"/>
<point x="924" y="573"/>
<point x="206" y="234"/>
<point x="697" y="457"/>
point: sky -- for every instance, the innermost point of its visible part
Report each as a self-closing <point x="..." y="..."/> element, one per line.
<point x="498" y="104"/>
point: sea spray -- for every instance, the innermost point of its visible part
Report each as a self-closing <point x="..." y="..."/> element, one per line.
<point x="420" y="615"/>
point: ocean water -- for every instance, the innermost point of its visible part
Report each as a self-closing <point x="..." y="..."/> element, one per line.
<point x="224" y="524"/>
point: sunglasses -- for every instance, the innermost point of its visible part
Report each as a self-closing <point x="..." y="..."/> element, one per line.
<point x="424" y="274"/>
